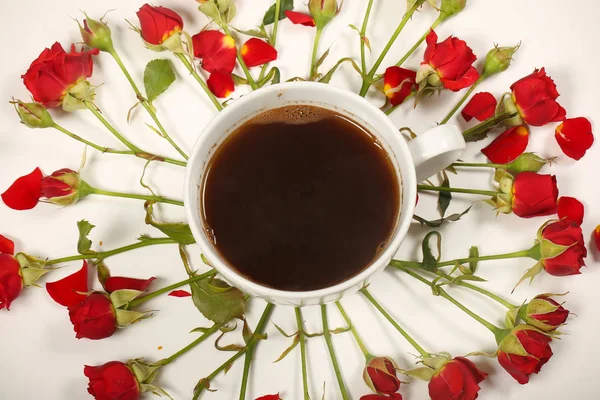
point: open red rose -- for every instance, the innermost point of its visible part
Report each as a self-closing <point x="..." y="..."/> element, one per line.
<point x="480" y="107"/>
<point x="508" y="146"/>
<point x="575" y="137"/>
<point x="535" y="97"/>
<point x="257" y="52"/>
<point x="220" y="84"/>
<point x="534" y="195"/>
<point x="452" y="60"/>
<point x="545" y="314"/>
<point x="458" y="379"/>
<point x="11" y="282"/>
<point x="54" y="72"/>
<point x="299" y="18"/>
<point x="157" y="24"/>
<point x="524" y="352"/>
<point x="570" y="208"/>
<point x="380" y="375"/>
<point x="398" y="84"/>
<point x="564" y="233"/>
<point x="393" y="396"/>
<point x="216" y="49"/>
<point x="113" y="380"/>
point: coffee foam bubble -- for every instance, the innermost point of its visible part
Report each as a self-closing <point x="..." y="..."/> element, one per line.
<point x="296" y="114"/>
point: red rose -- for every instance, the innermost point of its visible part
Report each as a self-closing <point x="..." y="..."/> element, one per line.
<point x="508" y="146"/>
<point x="380" y="375"/>
<point x="458" y="379"/>
<point x="7" y="246"/>
<point x="54" y="72"/>
<point x="257" y="52"/>
<point x="563" y="233"/>
<point x="11" y="282"/>
<point x="220" y="84"/>
<point x="94" y="318"/>
<point x="534" y="195"/>
<point x="570" y="208"/>
<point x="596" y="236"/>
<point x="398" y="84"/>
<point x="216" y="49"/>
<point x="523" y="352"/>
<point x="111" y="381"/>
<point x="575" y="137"/>
<point x="452" y="60"/>
<point x="535" y="97"/>
<point x="480" y="107"/>
<point x="545" y="314"/>
<point x="157" y="24"/>
<point x="393" y="396"/>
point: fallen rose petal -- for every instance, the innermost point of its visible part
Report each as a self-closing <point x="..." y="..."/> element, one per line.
<point x="269" y="397"/>
<point x="25" y="192"/>
<point x="68" y="291"/>
<point x="220" y="84"/>
<point x="597" y="237"/>
<point x="216" y="49"/>
<point x="570" y="208"/>
<point x="114" y="283"/>
<point x="575" y="137"/>
<point x="258" y="52"/>
<point x="398" y="84"/>
<point x="7" y="246"/>
<point x="508" y="146"/>
<point x="299" y="18"/>
<point x="180" y="293"/>
<point x="480" y="107"/>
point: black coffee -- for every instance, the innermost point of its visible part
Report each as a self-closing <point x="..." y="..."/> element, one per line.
<point x="300" y="198"/>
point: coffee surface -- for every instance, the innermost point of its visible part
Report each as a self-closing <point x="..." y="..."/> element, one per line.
<point x="300" y="198"/>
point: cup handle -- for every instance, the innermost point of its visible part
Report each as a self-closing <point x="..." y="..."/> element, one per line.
<point x="435" y="149"/>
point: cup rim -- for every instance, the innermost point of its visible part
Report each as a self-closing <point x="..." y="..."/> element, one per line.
<point x="407" y="178"/>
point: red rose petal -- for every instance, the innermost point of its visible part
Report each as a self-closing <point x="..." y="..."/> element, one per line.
<point x="299" y="18"/>
<point x="575" y="137"/>
<point x="462" y="82"/>
<point x="394" y="396"/>
<point x="179" y="293"/>
<point x="480" y="107"/>
<point x="398" y="84"/>
<point x="597" y="237"/>
<point x="508" y="146"/>
<point x="220" y="84"/>
<point x="25" y="192"/>
<point x="217" y="51"/>
<point x="67" y="291"/>
<point x="269" y="397"/>
<point x="570" y="208"/>
<point x="258" y="52"/>
<point x="114" y="283"/>
<point x="7" y="246"/>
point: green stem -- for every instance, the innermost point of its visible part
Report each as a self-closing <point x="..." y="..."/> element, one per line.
<point x="302" y="340"/>
<point x="205" y="382"/>
<point x="363" y="32"/>
<point x="481" y="290"/>
<point x="359" y="341"/>
<point x="493" y="328"/>
<point x="313" y="62"/>
<point x="483" y="165"/>
<point x="421" y="40"/>
<point x="392" y="321"/>
<point x="90" y="106"/>
<point x="457" y="190"/>
<point x="253" y="342"/>
<point x="334" y="361"/>
<point x="199" y="79"/>
<point x="106" y="254"/>
<point x="162" y="130"/>
<point x="263" y="70"/>
<point x="368" y="80"/>
<point x="392" y="109"/>
<point x="156" y="293"/>
<point x="91" y="144"/>
<point x="190" y="346"/>
<point x="158" y="199"/>
<point x="463" y="99"/>
<point x="240" y="59"/>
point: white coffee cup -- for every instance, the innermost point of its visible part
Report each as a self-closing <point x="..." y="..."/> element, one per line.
<point x="415" y="161"/>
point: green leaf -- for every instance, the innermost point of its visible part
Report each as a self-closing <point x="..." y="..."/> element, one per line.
<point x="175" y="230"/>
<point x="211" y="10"/>
<point x="444" y="198"/>
<point x="474" y="278"/>
<point x="158" y="76"/>
<point x="429" y="260"/>
<point x="286" y="5"/>
<point x="439" y="222"/>
<point x="84" y="244"/>
<point x="289" y="349"/>
<point x="259" y="32"/>
<point x="473" y="253"/>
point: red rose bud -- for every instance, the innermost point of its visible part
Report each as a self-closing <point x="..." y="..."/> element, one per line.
<point x="544" y="313"/>
<point x="498" y="60"/>
<point x="7" y="246"/>
<point x="571" y="209"/>
<point x="527" y="162"/>
<point x="534" y="97"/>
<point x="33" y="115"/>
<point x="96" y="34"/>
<point x="62" y="187"/>
<point x="562" y="248"/>
<point x="157" y="24"/>
<point x="523" y="352"/>
<point x="575" y="137"/>
<point x="393" y="396"/>
<point x="94" y="318"/>
<point x="257" y="52"/>
<point x="220" y="84"/>
<point x="480" y="107"/>
<point x="217" y="51"/>
<point x="458" y="379"/>
<point x="11" y="282"/>
<point x="299" y="18"/>
<point x="596" y="235"/>
<point x="57" y="78"/>
<point x="380" y="375"/>
<point x="507" y="146"/>
<point x="323" y="11"/>
<point x="398" y="84"/>
<point x="269" y="397"/>
<point x="534" y="195"/>
<point x="448" y="64"/>
<point x="113" y="380"/>
<point x="449" y="8"/>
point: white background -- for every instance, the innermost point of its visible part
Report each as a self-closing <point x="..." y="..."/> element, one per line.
<point x="41" y="357"/>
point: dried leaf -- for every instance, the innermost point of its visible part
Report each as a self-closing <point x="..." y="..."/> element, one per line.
<point x="259" y="32"/>
<point x="158" y="76"/>
<point x="289" y="349"/>
<point x="439" y="222"/>
<point x="327" y="77"/>
<point x="429" y="261"/>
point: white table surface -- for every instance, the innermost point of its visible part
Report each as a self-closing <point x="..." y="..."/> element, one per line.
<point x="41" y="357"/>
